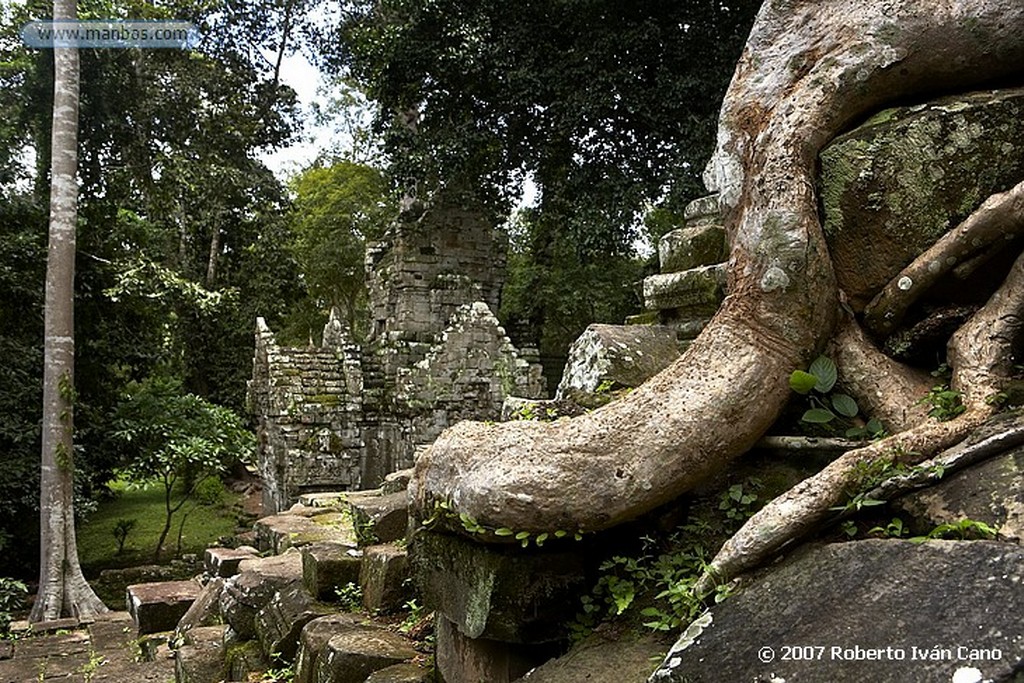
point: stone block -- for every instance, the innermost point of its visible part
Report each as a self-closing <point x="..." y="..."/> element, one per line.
<point x="501" y="593"/>
<point x="698" y="291"/>
<point x="326" y="566"/>
<point x="201" y="659"/>
<point x="224" y="561"/>
<point x="244" y="659"/>
<point x="352" y="655"/>
<point x="702" y="211"/>
<point x="249" y="592"/>
<point x="379" y="518"/>
<point x="958" y="601"/>
<point x="408" y="672"/>
<point x="157" y="607"/>
<point x="383" y="577"/>
<point x="614" y="657"/>
<point x="280" y="622"/>
<point x="908" y="175"/>
<point x="280" y="532"/>
<point x="691" y="247"/>
<point x="991" y="492"/>
<point x="317" y="500"/>
<point x="313" y="641"/>
<point x="471" y="660"/>
<point x="616" y="356"/>
<point x="205" y="611"/>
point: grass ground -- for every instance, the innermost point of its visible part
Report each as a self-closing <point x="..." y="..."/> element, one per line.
<point x="98" y="546"/>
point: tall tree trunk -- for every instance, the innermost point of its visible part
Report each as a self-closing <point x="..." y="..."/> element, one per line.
<point x="63" y="590"/>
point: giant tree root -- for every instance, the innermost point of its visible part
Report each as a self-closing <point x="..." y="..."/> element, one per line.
<point x="981" y="353"/>
<point x="810" y="68"/>
<point x="998" y="219"/>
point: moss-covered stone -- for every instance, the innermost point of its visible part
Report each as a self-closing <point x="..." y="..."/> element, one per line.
<point x="494" y="592"/>
<point x="896" y="184"/>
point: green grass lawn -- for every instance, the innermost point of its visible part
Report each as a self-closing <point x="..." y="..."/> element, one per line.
<point x="97" y="546"/>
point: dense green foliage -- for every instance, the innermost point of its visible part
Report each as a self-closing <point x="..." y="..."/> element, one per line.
<point x="177" y="440"/>
<point x="336" y="209"/>
<point x="183" y="234"/>
<point x="608" y="107"/>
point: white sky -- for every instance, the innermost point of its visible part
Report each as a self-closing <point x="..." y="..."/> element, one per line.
<point x="305" y="80"/>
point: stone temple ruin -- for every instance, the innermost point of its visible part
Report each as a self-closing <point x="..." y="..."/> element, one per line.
<point x="343" y="415"/>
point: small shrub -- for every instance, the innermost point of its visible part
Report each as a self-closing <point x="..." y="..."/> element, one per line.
<point x="12" y="598"/>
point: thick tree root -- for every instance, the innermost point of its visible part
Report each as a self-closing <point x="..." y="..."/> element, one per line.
<point x="981" y="353"/>
<point x="884" y="389"/>
<point x="992" y="439"/>
<point x="809" y="69"/>
<point x="999" y="219"/>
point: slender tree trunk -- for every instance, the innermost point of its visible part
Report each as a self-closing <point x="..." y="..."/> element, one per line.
<point x="63" y="590"/>
<point x="211" y="264"/>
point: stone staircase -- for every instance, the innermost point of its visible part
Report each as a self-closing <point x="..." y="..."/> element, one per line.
<point x="276" y="606"/>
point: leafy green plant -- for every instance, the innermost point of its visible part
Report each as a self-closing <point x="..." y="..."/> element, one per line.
<point x="945" y="403"/>
<point x="179" y="440"/>
<point x="962" y="530"/>
<point x="826" y="406"/>
<point x="12" y="598"/>
<point x="417" y="613"/>
<point x="275" y="675"/>
<point x="350" y="597"/>
<point x="739" y="502"/>
<point x="894" y="529"/>
<point x="121" y="530"/>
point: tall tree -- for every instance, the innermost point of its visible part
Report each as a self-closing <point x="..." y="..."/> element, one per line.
<point x="63" y="590"/>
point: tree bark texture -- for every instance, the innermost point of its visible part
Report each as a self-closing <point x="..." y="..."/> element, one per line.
<point x="809" y="70"/>
<point x="63" y="590"/>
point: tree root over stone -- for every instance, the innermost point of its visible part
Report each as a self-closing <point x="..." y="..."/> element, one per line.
<point x="981" y="354"/>
<point x="999" y="219"/>
<point x="810" y="68"/>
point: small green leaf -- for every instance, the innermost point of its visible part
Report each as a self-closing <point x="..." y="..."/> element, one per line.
<point x="540" y="539"/>
<point x="802" y="382"/>
<point x="561" y="534"/>
<point x="818" y="416"/>
<point x="825" y="370"/>
<point x="522" y="535"/>
<point x="874" y="426"/>
<point x="503" y="531"/>
<point x="845" y="405"/>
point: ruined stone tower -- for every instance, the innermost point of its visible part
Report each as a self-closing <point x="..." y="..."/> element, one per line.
<point x="344" y="415"/>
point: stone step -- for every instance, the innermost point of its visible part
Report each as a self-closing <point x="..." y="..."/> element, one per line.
<point x="352" y="655"/>
<point x="257" y="582"/>
<point x="698" y="291"/>
<point x="201" y="658"/>
<point x="280" y="622"/>
<point x="157" y="607"/>
<point x="691" y="247"/>
<point x="328" y="566"/>
<point x="224" y="562"/>
<point x="277" y="533"/>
